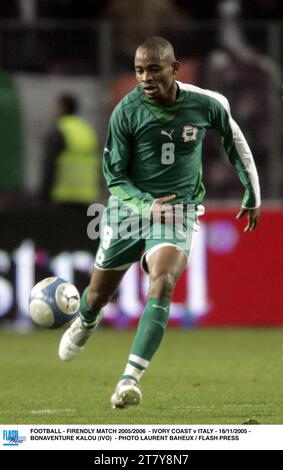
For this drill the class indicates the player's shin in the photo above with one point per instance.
(90, 318)
(148, 337)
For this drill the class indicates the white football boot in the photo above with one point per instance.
(74, 339)
(127, 393)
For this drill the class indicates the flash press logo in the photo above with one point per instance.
(11, 437)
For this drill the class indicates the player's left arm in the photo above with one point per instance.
(241, 158)
(253, 216)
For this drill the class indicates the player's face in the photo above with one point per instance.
(156, 75)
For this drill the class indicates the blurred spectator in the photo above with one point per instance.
(251, 81)
(71, 170)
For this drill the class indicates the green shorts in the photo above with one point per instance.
(126, 238)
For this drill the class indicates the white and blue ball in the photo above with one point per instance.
(53, 302)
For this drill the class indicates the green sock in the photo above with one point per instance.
(90, 318)
(148, 337)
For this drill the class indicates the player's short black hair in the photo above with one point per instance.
(157, 42)
(69, 103)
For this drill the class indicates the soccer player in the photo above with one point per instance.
(152, 165)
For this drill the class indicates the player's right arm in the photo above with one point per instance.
(116, 158)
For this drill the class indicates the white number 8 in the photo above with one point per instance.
(167, 153)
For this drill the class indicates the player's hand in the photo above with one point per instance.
(166, 214)
(253, 216)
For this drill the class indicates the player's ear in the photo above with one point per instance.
(176, 66)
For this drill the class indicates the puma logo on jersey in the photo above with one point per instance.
(168, 134)
(163, 308)
(189, 133)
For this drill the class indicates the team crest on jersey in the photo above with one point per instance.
(189, 133)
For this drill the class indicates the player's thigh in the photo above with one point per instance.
(170, 245)
(105, 282)
(167, 259)
(166, 252)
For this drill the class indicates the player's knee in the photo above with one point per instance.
(96, 299)
(162, 285)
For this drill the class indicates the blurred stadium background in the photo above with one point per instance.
(86, 48)
(49, 47)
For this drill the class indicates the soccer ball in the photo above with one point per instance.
(53, 302)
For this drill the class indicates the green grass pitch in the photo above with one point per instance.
(199, 376)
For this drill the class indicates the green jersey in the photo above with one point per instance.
(155, 151)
